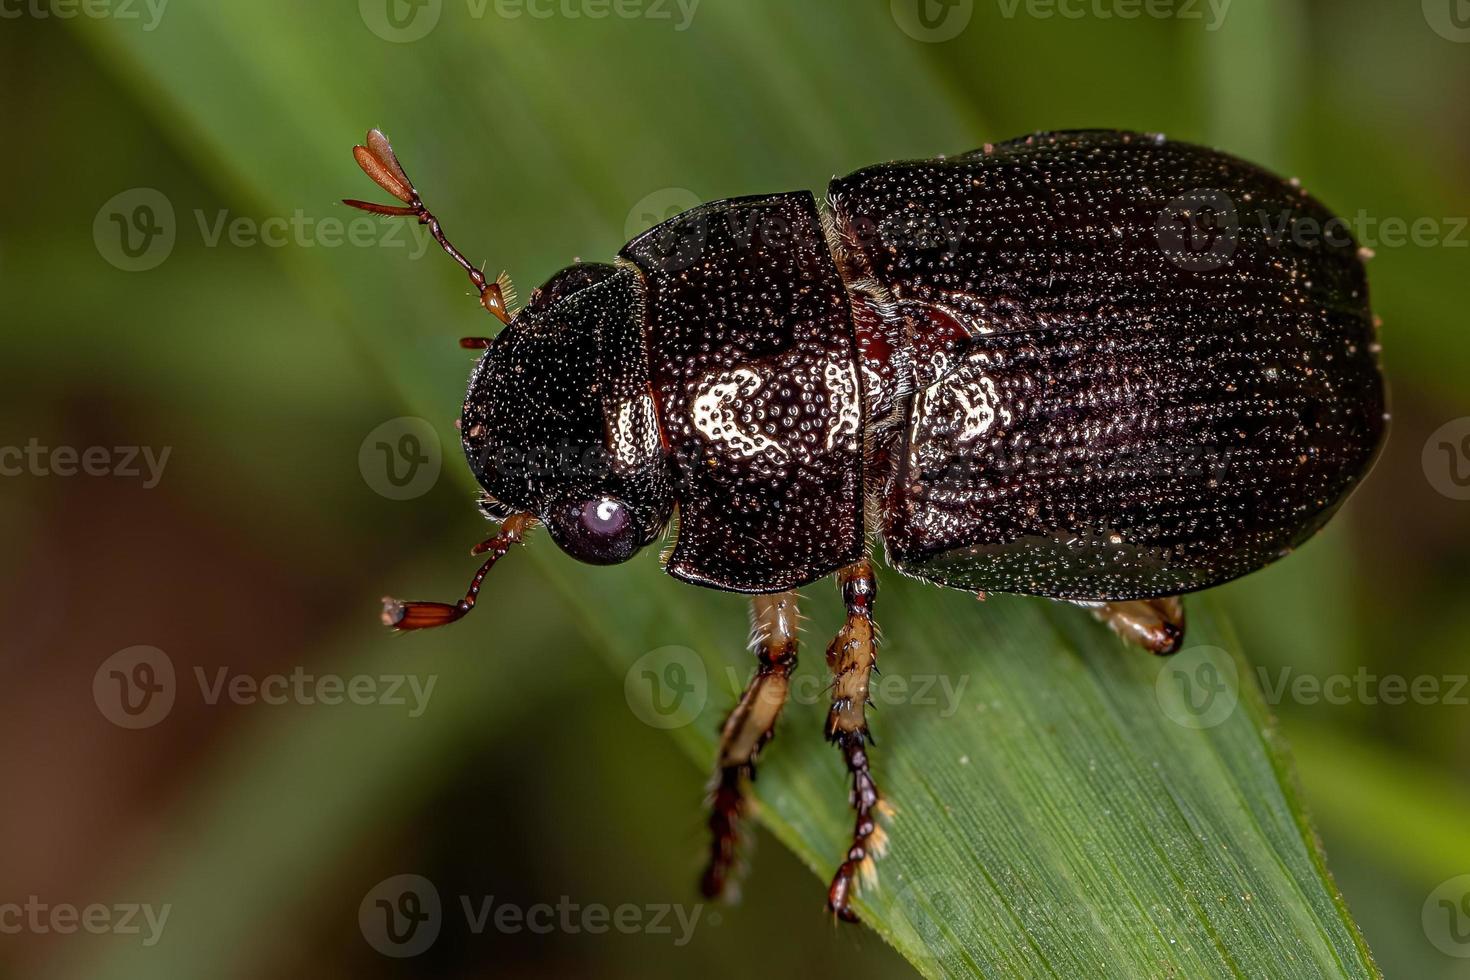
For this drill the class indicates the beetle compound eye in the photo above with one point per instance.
(604, 517)
(598, 530)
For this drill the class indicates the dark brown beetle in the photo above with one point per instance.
(1097, 366)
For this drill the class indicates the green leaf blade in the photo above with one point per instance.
(1059, 811)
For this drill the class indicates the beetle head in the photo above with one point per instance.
(560, 420)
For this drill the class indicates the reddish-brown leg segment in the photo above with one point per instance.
(748, 728)
(415, 615)
(852, 657)
(1157, 625)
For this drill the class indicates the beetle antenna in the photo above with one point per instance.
(378, 161)
(404, 616)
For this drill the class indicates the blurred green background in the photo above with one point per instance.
(259, 344)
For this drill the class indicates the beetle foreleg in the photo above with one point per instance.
(1157, 625)
(748, 727)
(852, 656)
(401, 616)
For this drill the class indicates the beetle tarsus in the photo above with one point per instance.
(404, 616)
(746, 730)
(1156, 625)
(869, 841)
(726, 811)
(852, 656)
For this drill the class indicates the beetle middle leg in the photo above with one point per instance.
(852, 657)
(1156, 625)
(750, 726)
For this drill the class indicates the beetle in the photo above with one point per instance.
(1092, 366)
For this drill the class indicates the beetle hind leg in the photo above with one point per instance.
(852, 656)
(749, 726)
(1157, 625)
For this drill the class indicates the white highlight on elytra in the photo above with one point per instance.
(980, 411)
